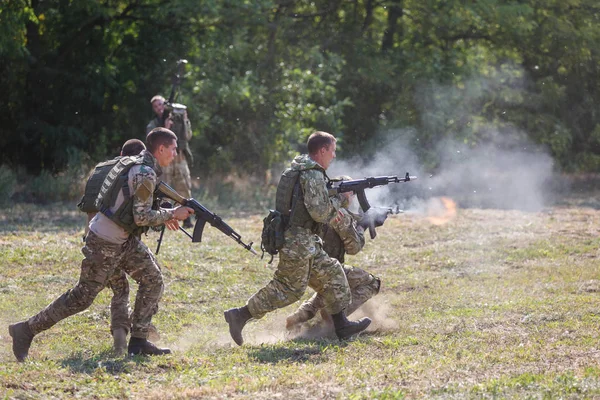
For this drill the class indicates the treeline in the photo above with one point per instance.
(77, 76)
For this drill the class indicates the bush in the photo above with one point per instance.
(8, 184)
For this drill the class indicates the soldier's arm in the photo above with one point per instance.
(188, 128)
(144, 183)
(352, 235)
(320, 206)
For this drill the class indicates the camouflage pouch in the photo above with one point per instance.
(272, 237)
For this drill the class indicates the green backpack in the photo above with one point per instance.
(272, 238)
(93, 185)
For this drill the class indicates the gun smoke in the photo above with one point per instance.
(504, 170)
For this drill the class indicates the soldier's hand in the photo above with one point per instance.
(378, 216)
(172, 224)
(373, 218)
(168, 123)
(182, 213)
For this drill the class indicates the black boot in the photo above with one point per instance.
(22, 337)
(237, 318)
(144, 347)
(344, 329)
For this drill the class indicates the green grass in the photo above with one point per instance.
(495, 303)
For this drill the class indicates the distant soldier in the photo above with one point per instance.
(344, 234)
(302, 260)
(125, 203)
(176, 175)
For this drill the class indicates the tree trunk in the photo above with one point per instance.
(395, 12)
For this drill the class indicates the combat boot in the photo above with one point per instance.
(344, 329)
(237, 318)
(145, 348)
(294, 321)
(22, 337)
(120, 341)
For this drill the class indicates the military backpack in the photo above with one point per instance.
(93, 185)
(289, 211)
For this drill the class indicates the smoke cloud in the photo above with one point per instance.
(504, 169)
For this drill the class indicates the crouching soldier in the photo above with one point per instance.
(343, 234)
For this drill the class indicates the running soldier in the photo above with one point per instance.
(119, 304)
(125, 204)
(302, 260)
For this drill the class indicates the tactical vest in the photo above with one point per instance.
(289, 200)
(117, 180)
(87, 203)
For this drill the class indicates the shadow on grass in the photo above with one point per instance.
(312, 353)
(306, 351)
(106, 360)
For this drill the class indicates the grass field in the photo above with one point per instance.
(493, 303)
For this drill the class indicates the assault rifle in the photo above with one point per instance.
(203, 215)
(358, 186)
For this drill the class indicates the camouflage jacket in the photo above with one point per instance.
(342, 235)
(143, 180)
(302, 242)
(319, 205)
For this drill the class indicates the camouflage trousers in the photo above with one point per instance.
(119, 304)
(177, 175)
(101, 260)
(362, 284)
(302, 263)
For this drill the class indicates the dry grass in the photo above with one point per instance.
(494, 303)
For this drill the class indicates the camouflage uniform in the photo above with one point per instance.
(118, 283)
(104, 255)
(119, 303)
(302, 260)
(342, 236)
(177, 174)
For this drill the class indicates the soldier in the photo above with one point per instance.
(344, 234)
(125, 204)
(176, 175)
(302, 261)
(118, 283)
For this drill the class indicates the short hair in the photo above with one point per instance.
(132, 147)
(159, 136)
(157, 97)
(317, 140)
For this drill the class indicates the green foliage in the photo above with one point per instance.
(262, 75)
(8, 183)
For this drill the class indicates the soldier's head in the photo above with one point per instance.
(132, 147)
(321, 148)
(162, 143)
(158, 105)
